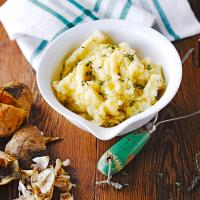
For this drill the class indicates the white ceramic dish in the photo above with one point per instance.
(148, 41)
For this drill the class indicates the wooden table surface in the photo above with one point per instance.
(171, 149)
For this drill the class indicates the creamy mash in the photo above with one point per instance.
(107, 82)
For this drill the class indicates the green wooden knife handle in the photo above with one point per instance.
(123, 151)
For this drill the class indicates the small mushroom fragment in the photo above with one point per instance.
(10, 119)
(39, 183)
(66, 196)
(9, 168)
(20, 93)
(27, 141)
(63, 183)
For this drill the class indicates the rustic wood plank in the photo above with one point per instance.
(170, 150)
(78, 145)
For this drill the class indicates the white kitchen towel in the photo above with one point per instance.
(35, 23)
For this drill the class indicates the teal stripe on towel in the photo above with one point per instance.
(75, 22)
(52, 12)
(44, 43)
(125, 9)
(111, 6)
(85, 11)
(97, 5)
(165, 20)
(40, 47)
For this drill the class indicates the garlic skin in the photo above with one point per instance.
(39, 182)
(46, 180)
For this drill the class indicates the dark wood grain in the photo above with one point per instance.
(79, 146)
(171, 149)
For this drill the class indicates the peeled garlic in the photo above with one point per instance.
(46, 180)
(42, 162)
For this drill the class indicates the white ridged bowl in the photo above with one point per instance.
(148, 41)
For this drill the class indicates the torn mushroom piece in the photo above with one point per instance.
(27, 141)
(66, 196)
(9, 168)
(15, 104)
(62, 181)
(10, 119)
(19, 93)
(39, 182)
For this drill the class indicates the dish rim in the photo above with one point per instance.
(162, 102)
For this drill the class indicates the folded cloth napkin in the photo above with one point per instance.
(35, 23)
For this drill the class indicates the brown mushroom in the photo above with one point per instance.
(10, 119)
(20, 93)
(9, 168)
(6, 98)
(27, 141)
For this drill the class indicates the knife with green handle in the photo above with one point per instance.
(129, 146)
(123, 151)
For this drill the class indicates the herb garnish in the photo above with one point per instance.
(113, 46)
(148, 67)
(161, 174)
(82, 82)
(178, 186)
(89, 63)
(128, 87)
(131, 103)
(101, 83)
(196, 179)
(121, 79)
(102, 94)
(129, 56)
(139, 86)
(90, 74)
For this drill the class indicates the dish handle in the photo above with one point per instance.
(123, 151)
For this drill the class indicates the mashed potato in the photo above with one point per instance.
(107, 82)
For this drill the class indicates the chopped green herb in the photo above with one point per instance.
(129, 56)
(196, 179)
(148, 67)
(82, 47)
(60, 75)
(102, 94)
(131, 103)
(90, 74)
(160, 174)
(121, 79)
(178, 186)
(194, 183)
(99, 67)
(82, 82)
(113, 46)
(101, 83)
(128, 87)
(139, 86)
(89, 63)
